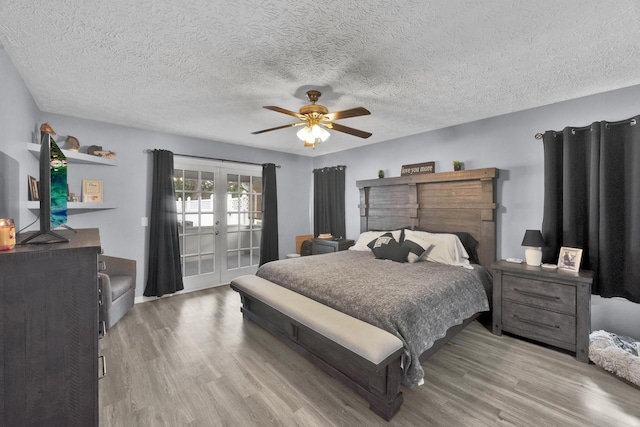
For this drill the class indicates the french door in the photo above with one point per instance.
(220, 220)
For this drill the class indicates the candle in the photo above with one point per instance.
(7, 234)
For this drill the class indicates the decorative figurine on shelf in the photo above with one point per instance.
(71, 143)
(45, 127)
(96, 150)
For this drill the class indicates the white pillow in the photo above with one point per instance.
(447, 248)
(418, 247)
(366, 237)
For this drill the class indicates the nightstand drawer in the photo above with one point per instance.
(550, 296)
(541, 325)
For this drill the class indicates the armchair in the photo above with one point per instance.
(117, 283)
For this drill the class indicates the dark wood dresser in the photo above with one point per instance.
(323, 246)
(49, 332)
(547, 305)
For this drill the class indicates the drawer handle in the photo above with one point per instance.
(536, 295)
(533, 322)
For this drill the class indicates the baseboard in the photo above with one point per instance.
(142, 298)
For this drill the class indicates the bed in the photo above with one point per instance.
(461, 202)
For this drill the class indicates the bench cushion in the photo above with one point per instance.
(364, 339)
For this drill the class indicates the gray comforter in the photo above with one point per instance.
(416, 302)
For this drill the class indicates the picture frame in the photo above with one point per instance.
(92, 191)
(34, 193)
(569, 259)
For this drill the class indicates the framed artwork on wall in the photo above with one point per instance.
(34, 194)
(569, 259)
(92, 191)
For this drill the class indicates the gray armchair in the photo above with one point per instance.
(118, 288)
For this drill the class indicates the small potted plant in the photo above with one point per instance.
(457, 165)
(380, 173)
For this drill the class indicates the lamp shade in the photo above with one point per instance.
(533, 238)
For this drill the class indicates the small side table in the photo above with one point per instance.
(547, 305)
(323, 246)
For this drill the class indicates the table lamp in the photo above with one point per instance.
(534, 240)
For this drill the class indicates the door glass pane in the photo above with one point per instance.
(232, 241)
(190, 266)
(206, 264)
(195, 210)
(206, 243)
(232, 260)
(245, 258)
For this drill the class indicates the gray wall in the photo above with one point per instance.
(506, 142)
(128, 184)
(18, 115)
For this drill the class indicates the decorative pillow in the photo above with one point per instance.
(386, 247)
(367, 236)
(417, 248)
(447, 248)
(470, 244)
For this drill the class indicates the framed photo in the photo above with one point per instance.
(569, 259)
(34, 194)
(92, 191)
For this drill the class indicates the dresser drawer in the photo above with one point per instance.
(550, 296)
(542, 325)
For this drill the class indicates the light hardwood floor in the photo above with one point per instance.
(192, 360)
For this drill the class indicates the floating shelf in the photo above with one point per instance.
(75, 157)
(76, 207)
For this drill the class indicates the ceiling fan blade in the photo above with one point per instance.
(278, 127)
(345, 129)
(283, 111)
(345, 114)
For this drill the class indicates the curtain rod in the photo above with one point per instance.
(631, 122)
(149, 151)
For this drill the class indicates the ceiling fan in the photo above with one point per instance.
(315, 118)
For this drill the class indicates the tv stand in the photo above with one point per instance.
(58, 238)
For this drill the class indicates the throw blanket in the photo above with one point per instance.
(416, 302)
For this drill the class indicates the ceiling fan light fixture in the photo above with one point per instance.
(313, 135)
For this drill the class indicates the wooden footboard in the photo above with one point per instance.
(378, 383)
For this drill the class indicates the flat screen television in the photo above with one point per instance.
(52, 191)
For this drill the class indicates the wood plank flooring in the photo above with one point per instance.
(192, 360)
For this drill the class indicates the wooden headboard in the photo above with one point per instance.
(446, 201)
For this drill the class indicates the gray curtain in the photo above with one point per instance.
(164, 274)
(328, 201)
(592, 201)
(269, 237)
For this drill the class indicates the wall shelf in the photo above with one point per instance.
(75, 157)
(76, 207)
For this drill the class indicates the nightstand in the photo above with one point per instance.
(323, 246)
(552, 306)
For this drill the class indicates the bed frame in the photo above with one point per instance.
(446, 202)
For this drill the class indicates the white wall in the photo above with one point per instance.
(506, 142)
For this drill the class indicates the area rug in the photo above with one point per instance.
(617, 354)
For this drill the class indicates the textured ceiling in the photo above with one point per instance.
(204, 68)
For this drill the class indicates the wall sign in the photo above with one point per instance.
(418, 168)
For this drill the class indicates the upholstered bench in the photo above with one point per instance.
(361, 355)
